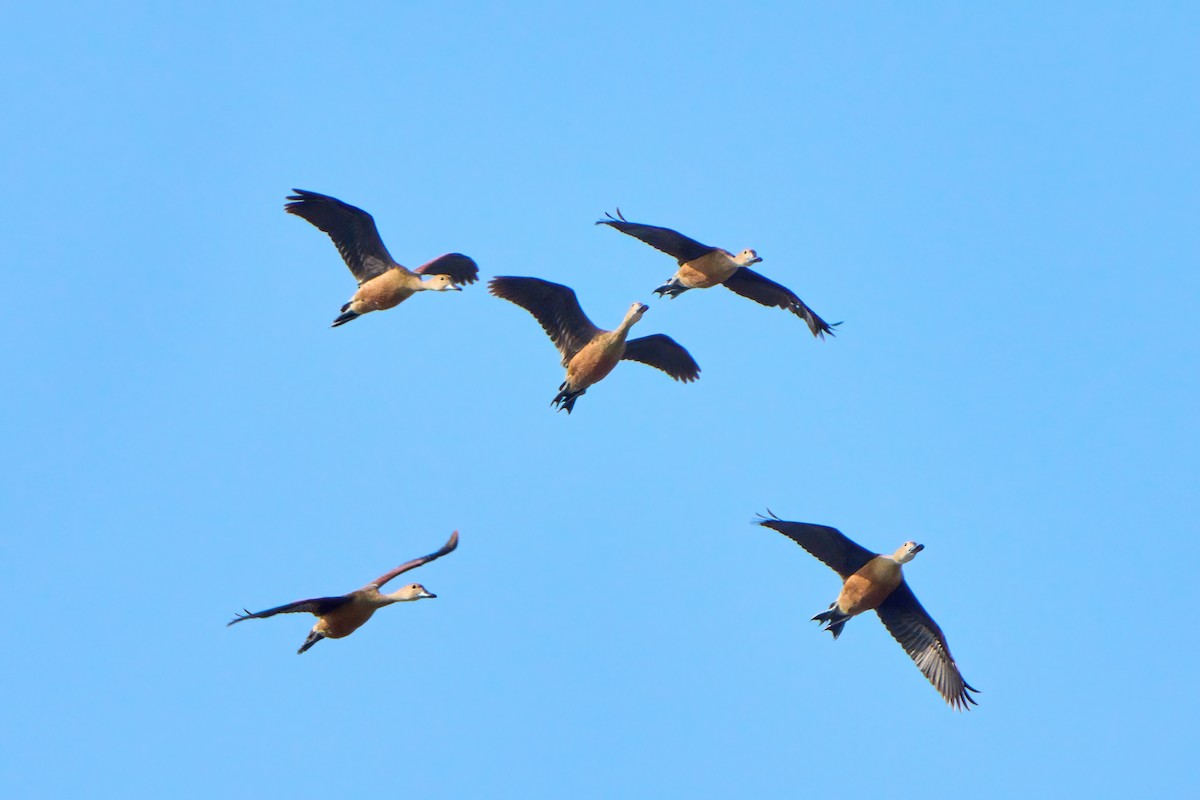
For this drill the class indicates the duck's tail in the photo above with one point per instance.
(832, 620)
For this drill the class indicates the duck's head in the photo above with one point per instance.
(414, 591)
(747, 257)
(907, 552)
(442, 283)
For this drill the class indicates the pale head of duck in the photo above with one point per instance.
(440, 283)
(907, 552)
(746, 258)
(414, 591)
(634, 313)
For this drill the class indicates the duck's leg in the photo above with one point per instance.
(832, 620)
(672, 288)
(346, 315)
(566, 397)
(313, 638)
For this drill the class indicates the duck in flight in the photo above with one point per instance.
(590, 353)
(702, 266)
(873, 581)
(338, 617)
(382, 283)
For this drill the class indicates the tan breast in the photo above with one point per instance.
(597, 358)
(870, 586)
(383, 292)
(707, 270)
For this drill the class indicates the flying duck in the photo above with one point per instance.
(590, 353)
(702, 267)
(876, 582)
(382, 283)
(338, 617)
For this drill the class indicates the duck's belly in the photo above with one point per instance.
(708, 270)
(345, 620)
(381, 293)
(870, 586)
(591, 365)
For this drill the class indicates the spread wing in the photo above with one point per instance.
(553, 305)
(749, 283)
(662, 352)
(449, 546)
(352, 230)
(911, 626)
(460, 268)
(829, 545)
(671, 242)
(314, 605)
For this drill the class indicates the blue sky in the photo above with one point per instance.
(1000, 204)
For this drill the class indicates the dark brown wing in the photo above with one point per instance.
(553, 305)
(449, 546)
(749, 283)
(662, 352)
(671, 242)
(314, 605)
(460, 268)
(911, 626)
(829, 545)
(352, 230)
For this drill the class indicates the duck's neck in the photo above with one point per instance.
(622, 330)
(377, 599)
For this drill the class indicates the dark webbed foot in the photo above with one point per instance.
(670, 289)
(345, 317)
(565, 399)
